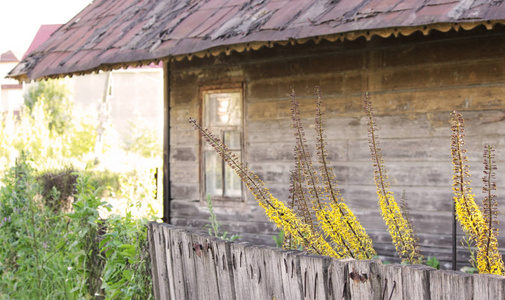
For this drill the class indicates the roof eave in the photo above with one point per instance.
(125, 61)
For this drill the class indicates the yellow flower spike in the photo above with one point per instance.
(301, 233)
(399, 228)
(479, 227)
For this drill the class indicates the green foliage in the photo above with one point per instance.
(144, 139)
(58, 188)
(108, 181)
(56, 240)
(214, 224)
(49, 254)
(31, 130)
(279, 239)
(126, 274)
(433, 262)
(55, 95)
(33, 254)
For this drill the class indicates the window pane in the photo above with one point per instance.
(213, 174)
(232, 139)
(233, 183)
(222, 109)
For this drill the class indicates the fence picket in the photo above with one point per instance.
(242, 279)
(191, 265)
(416, 282)
(447, 284)
(205, 267)
(291, 279)
(314, 271)
(364, 279)
(487, 286)
(273, 258)
(169, 286)
(338, 274)
(392, 281)
(224, 269)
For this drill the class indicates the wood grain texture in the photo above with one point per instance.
(415, 83)
(210, 268)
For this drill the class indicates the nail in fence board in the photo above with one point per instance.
(364, 280)
(392, 281)
(205, 267)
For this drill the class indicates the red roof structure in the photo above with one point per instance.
(110, 34)
(8, 56)
(42, 35)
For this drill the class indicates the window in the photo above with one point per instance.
(222, 114)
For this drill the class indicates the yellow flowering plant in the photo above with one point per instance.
(479, 225)
(316, 218)
(400, 229)
(334, 217)
(283, 216)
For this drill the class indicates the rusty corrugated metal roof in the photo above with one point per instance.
(110, 34)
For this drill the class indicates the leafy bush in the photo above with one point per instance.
(58, 188)
(75, 255)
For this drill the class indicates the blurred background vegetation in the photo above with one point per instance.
(73, 215)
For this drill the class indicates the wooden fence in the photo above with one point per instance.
(192, 265)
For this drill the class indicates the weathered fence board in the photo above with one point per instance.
(169, 264)
(291, 277)
(192, 265)
(205, 267)
(274, 267)
(314, 271)
(241, 279)
(487, 286)
(416, 282)
(451, 285)
(160, 266)
(392, 283)
(364, 279)
(338, 273)
(224, 269)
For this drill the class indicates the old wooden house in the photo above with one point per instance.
(231, 65)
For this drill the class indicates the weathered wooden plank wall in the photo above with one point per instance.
(415, 83)
(191, 265)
